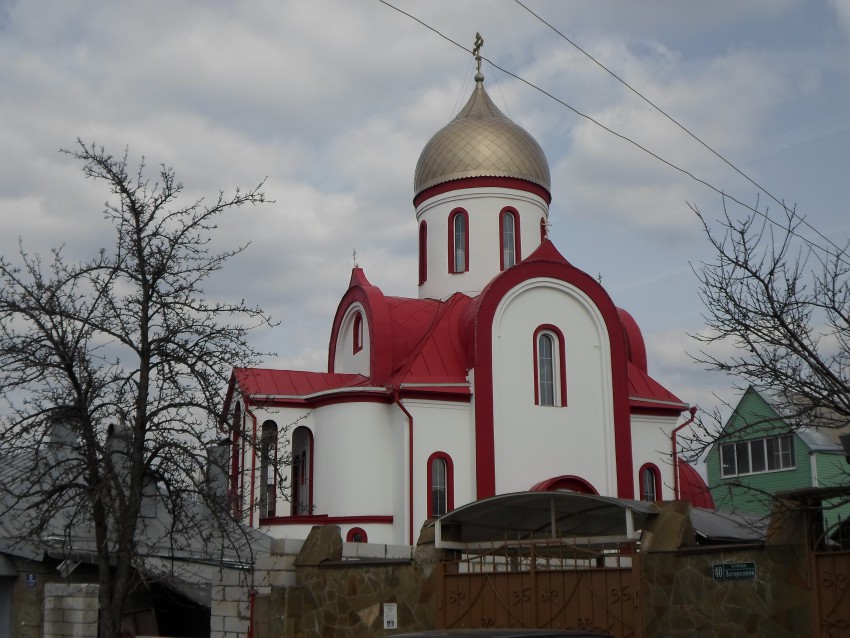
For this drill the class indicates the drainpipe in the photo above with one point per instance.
(397, 399)
(693, 411)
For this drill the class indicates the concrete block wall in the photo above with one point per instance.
(70, 610)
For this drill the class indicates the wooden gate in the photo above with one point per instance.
(831, 604)
(545, 585)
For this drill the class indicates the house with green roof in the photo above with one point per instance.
(759, 453)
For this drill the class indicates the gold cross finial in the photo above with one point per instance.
(354, 257)
(476, 51)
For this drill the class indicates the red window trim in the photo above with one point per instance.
(562, 364)
(349, 537)
(423, 252)
(657, 477)
(450, 482)
(509, 210)
(452, 216)
(357, 333)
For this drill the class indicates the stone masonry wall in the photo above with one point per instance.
(681, 598)
(341, 591)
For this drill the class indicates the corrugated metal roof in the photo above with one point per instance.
(267, 382)
(645, 392)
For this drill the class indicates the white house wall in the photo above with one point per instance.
(483, 206)
(534, 443)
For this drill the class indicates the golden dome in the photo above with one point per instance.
(480, 142)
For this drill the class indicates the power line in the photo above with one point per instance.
(678, 124)
(625, 138)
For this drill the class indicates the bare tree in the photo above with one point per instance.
(782, 302)
(112, 374)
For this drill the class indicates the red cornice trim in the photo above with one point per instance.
(322, 519)
(377, 396)
(483, 182)
(485, 470)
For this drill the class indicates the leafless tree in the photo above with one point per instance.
(781, 300)
(119, 364)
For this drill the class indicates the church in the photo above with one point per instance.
(513, 370)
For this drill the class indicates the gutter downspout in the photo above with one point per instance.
(675, 447)
(397, 399)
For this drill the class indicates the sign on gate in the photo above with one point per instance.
(734, 571)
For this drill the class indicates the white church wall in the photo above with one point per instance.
(347, 358)
(482, 206)
(534, 443)
(441, 427)
(651, 444)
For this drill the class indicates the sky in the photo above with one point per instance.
(332, 101)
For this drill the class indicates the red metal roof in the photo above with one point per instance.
(692, 488)
(265, 382)
(646, 393)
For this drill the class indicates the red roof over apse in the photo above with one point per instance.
(692, 488)
(264, 382)
(440, 355)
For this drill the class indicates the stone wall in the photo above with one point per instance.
(681, 597)
(342, 589)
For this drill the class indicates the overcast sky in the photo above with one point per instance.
(332, 101)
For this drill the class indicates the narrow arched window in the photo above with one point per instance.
(268, 465)
(550, 372)
(544, 229)
(546, 369)
(509, 238)
(650, 483)
(235, 461)
(301, 491)
(357, 333)
(440, 484)
(423, 252)
(356, 535)
(458, 241)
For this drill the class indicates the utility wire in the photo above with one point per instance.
(677, 123)
(710, 186)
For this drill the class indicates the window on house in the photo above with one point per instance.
(769, 454)
(268, 465)
(423, 253)
(357, 330)
(650, 483)
(509, 238)
(458, 241)
(301, 491)
(440, 484)
(550, 377)
(235, 465)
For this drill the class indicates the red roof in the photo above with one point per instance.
(692, 488)
(645, 393)
(265, 382)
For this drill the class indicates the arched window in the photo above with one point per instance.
(236, 437)
(356, 535)
(544, 229)
(550, 372)
(357, 333)
(440, 484)
(423, 252)
(301, 497)
(650, 483)
(268, 469)
(458, 241)
(509, 238)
